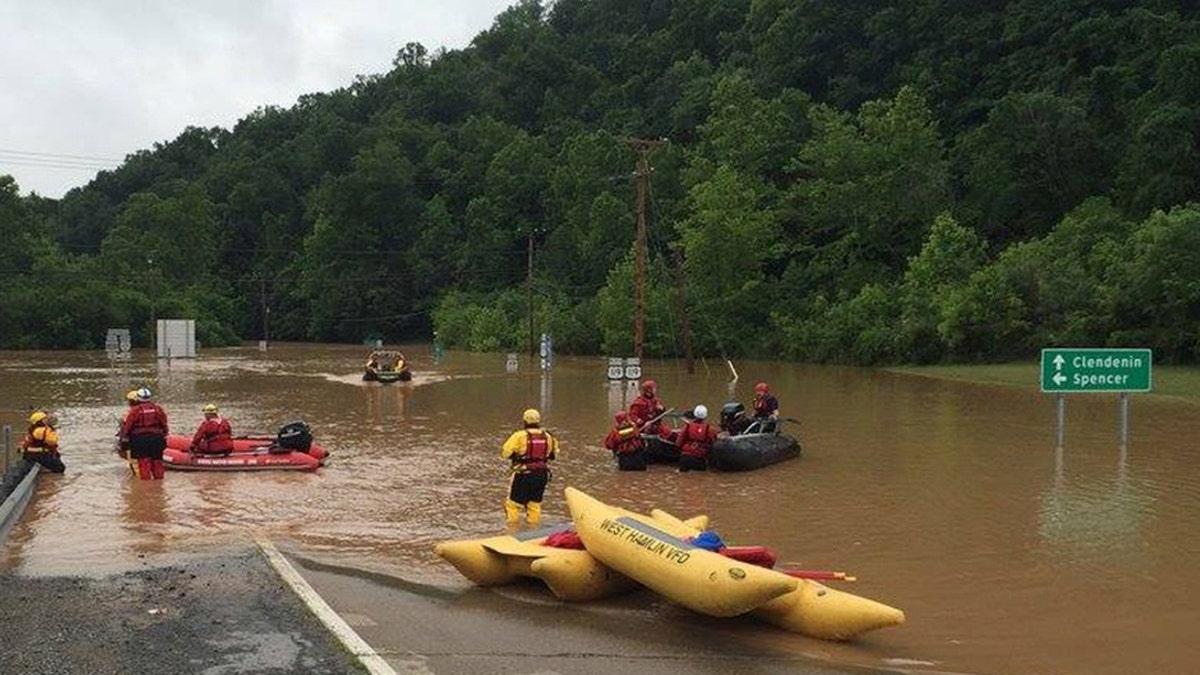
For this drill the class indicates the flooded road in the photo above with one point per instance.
(946, 499)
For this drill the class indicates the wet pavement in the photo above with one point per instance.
(523, 629)
(232, 613)
(217, 615)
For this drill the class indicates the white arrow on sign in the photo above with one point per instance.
(1059, 378)
(1058, 362)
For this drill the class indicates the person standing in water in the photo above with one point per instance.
(40, 444)
(145, 430)
(626, 444)
(530, 451)
(695, 439)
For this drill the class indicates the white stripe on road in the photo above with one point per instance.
(366, 654)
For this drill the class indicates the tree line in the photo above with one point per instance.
(868, 182)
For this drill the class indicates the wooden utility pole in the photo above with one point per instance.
(266, 311)
(529, 294)
(681, 308)
(641, 174)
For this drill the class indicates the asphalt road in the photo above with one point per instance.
(231, 613)
(216, 615)
(523, 629)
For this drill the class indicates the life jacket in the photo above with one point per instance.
(695, 438)
(765, 406)
(627, 440)
(218, 435)
(34, 443)
(147, 419)
(536, 455)
(644, 409)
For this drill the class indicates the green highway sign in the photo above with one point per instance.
(1066, 371)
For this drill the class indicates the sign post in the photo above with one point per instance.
(1090, 370)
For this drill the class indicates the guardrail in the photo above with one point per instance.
(16, 482)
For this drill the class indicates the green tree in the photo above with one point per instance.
(1157, 298)
(950, 254)
(871, 185)
(1035, 159)
(727, 242)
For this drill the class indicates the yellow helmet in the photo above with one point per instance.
(531, 416)
(37, 417)
(210, 409)
(131, 396)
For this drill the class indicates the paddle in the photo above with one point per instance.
(664, 413)
(818, 574)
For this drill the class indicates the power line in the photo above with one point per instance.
(55, 165)
(50, 155)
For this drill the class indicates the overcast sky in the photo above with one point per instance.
(83, 83)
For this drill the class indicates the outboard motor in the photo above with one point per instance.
(295, 436)
(733, 418)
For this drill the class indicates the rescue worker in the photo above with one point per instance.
(145, 430)
(123, 443)
(626, 444)
(647, 410)
(695, 439)
(766, 408)
(530, 450)
(214, 436)
(40, 444)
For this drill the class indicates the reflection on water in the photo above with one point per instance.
(945, 499)
(1095, 522)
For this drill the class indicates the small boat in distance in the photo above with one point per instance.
(386, 366)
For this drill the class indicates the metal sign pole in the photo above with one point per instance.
(1060, 415)
(1124, 416)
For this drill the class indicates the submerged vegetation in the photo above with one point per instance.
(868, 182)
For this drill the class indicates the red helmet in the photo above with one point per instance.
(621, 417)
(650, 385)
(761, 388)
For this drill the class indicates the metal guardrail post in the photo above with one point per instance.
(7, 432)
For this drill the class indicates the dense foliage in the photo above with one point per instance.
(866, 182)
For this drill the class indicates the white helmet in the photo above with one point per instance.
(700, 412)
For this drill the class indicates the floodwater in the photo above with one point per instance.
(946, 499)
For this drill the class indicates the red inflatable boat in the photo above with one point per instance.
(291, 450)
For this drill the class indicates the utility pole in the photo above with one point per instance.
(153, 304)
(266, 311)
(641, 175)
(529, 293)
(681, 308)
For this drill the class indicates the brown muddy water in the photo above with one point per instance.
(946, 499)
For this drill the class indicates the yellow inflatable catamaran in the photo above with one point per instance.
(660, 557)
(571, 574)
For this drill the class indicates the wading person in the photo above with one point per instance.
(695, 439)
(647, 410)
(214, 436)
(40, 444)
(145, 431)
(530, 451)
(626, 444)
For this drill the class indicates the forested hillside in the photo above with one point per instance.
(856, 182)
